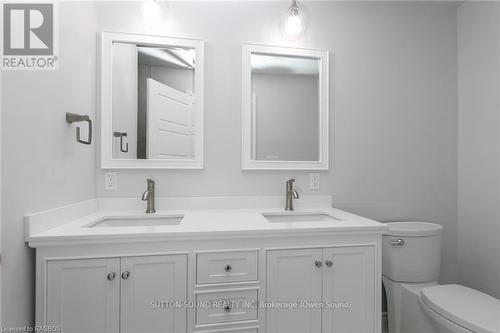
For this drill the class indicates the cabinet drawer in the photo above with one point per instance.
(226, 306)
(223, 267)
(232, 330)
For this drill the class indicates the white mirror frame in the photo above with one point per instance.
(247, 162)
(107, 160)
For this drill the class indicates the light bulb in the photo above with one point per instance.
(294, 22)
(294, 25)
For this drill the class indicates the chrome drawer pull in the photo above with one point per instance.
(318, 263)
(111, 276)
(227, 308)
(329, 263)
(228, 268)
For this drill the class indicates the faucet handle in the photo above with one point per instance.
(291, 180)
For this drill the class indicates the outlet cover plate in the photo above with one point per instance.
(314, 180)
(110, 181)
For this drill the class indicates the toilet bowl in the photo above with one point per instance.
(416, 302)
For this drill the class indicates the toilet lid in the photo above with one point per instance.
(466, 307)
(418, 229)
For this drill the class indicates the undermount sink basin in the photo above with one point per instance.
(299, 217)
(137, 221)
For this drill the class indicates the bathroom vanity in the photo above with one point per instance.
(236, 264)
(212, 265)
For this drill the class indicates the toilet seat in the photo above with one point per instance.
(464, 306)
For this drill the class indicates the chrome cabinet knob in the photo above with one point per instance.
(329, 263)
(227, 308)
(398, 241)
(111, 276)
(318, 263)
(125, 275)
(228, 268)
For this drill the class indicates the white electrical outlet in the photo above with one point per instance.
(314, 181)
(110, 181)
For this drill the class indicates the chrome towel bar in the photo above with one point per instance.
(75, 118)
(121, 135)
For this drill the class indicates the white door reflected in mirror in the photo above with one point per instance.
(285, 108)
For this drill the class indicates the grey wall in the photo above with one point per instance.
(393, 117)
(42, 165)
(479, 146)
(393, 105)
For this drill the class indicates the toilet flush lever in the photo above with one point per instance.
(398, 241)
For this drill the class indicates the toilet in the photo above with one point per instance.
(416, 302)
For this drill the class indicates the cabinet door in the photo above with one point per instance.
(292, 276)
(348, 285)
(81, 297)
(148, 284)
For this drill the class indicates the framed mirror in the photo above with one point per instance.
(151, 102)
(285, 108)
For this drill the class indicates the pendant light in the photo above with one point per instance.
(293, 23)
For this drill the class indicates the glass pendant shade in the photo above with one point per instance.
(293, 23)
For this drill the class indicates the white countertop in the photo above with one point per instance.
(72, 222)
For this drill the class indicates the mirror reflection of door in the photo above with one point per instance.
(153, 94)
(169, 122)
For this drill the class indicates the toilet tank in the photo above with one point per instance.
(411, 251)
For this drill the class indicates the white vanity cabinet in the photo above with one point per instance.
(349, 283)
(157, 279)
(333, 280)
(83, 294)
(334, 289)
(117, 294)
(292, 277)
(217, 271)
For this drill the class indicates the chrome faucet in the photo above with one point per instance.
(290, 194)
(149, 196)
